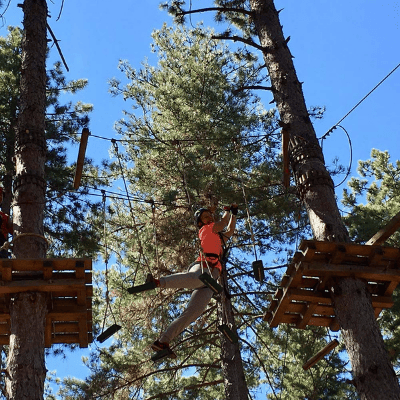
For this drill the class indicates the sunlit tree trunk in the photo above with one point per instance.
(26, 366)
(231, 359)
(373, 374)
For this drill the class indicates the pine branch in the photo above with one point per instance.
(253, 87)
(58, 47)
(240, 39)
(218, 9)
(162, 395)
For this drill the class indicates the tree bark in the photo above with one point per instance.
(26, 365)
(374, 377)
(26, 368)
(373, 373)
(232, 366)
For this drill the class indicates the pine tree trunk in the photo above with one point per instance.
(232, 366)
(373, 375)
(26, 367)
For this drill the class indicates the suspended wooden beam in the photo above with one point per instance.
(81, 157)
(327, 349)
(386, 232)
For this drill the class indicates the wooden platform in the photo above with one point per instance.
(303, 298)
(68, 283)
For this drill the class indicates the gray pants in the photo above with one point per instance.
(198, 301)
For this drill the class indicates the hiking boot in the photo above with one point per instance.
(150, 283)
(158, 346)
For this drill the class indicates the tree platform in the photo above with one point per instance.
(68, 283)
(304, 299)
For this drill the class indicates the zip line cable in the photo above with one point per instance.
(370, 92)
(337, 125)
(176, 141)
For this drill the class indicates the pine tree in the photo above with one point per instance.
(259, 26)
(65, 210)
(373, 199)
(64, 213)
(195, 137)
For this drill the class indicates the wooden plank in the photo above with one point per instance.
(83, 333)
(293, 319)
(376, 256)
(383, 234)
(4, 340)
(359, 271)
(48, 331)
(71, 275)
(72, 293)
(321, 321)
(36, 264)
(322, 353)
(65, 338)
(306, 316)
(81, 157)
(309, 282)
(382, 302)
(4, 329)
(309, 296)
(338, 255)
(47, 269)
(41, 286)
(72, 316)
(6, 270)
(280, 296)
(390, 288)
(279, 312)
(334, 326)
(66, 327)
(68, 302)
(308, 254)
(323, 310)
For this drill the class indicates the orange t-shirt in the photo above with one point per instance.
(210, 243)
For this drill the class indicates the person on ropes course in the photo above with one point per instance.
(213, 238)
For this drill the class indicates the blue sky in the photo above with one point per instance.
(342, 49)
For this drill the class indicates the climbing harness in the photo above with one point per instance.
(114, 327)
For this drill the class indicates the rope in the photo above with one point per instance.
(106, 257)
(153, 210)
(129, 202)
(246, 204)
(29, 234)
(351, 153)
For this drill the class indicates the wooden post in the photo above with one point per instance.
(385, 232)
(81, 158)
(327, 349)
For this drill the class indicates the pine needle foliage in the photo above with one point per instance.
(65, 210)
(372, 201)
